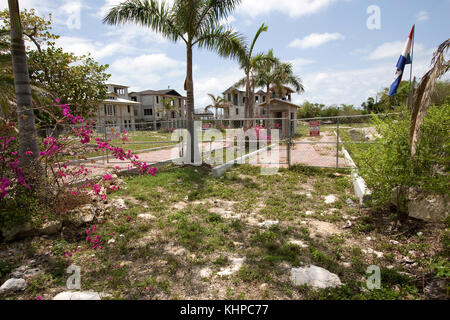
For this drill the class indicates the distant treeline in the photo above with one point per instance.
(381, 103)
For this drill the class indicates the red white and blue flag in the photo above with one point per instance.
(404, 59)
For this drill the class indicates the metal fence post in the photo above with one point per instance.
(106, 140)
(337, 144)
(289, 145)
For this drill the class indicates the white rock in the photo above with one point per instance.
(299, 243)
(394, 242)
(13, 284)
(77, 295)
(348, 224)
(308, 213)
(146, 216)
(205, 272)
(236, 264)
(314, 276)
(420, 233)
(330, 199)
(110, 241)
(268, 223)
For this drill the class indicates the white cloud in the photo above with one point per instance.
(422, 16)
(293, 8)
(352, 86)
(81, 46)
(148, 71)
(393, 50)
(300, 63)
(215, 85)
(315, 40)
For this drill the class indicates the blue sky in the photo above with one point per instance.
(339, 59)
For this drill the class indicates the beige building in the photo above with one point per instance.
(117, 110)
(152, 113)
(281, 108)
(238, 98)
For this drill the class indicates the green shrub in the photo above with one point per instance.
(387, 164)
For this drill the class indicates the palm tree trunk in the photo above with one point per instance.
(247, 100)
(269, 122)
(27, 129)
(192, 148)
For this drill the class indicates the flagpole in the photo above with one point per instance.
(411, 68)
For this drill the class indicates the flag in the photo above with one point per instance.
(404, 59)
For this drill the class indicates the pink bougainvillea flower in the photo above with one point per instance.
(29, 153)
(39, 298)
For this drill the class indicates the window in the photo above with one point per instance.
(243, 99)
(134, 99)
(109, 109)
(119, 90)
(179, 102)
(237, 111)
(229, 97)
(256, 99)
(157, 99)
(148, 112)
(264, 98)
(135, 113)
(129, 110)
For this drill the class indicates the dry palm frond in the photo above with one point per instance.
(422, 97)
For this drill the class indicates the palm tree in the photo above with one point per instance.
(248, 63)
(265, 76)
(194, 22)
(27, 129)
(169, 107)
(218, 103)
(273, 73)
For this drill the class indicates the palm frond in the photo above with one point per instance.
(224, 41)
(424, 91)
(148, 13)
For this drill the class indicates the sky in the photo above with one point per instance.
(343, 50)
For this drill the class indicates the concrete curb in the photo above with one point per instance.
(360, 186)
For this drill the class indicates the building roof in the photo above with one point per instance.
(120, 101)
(282, 101)
(230, 89)
(166, 92)
(116, 85)
(203, 112)
(261, 92)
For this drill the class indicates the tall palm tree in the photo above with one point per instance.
(27, 128)
(218, 103)
(248, 63)
(194, 22)
(271, 72)
(266, 76)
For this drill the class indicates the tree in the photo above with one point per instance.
(194, 22)
(218, 103)
(265, 75)
(249, 63)
(28, 146)
(77, 81)
(424, 91)
(7, 91)
(35, 28)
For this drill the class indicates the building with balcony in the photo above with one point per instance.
(117, 110)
